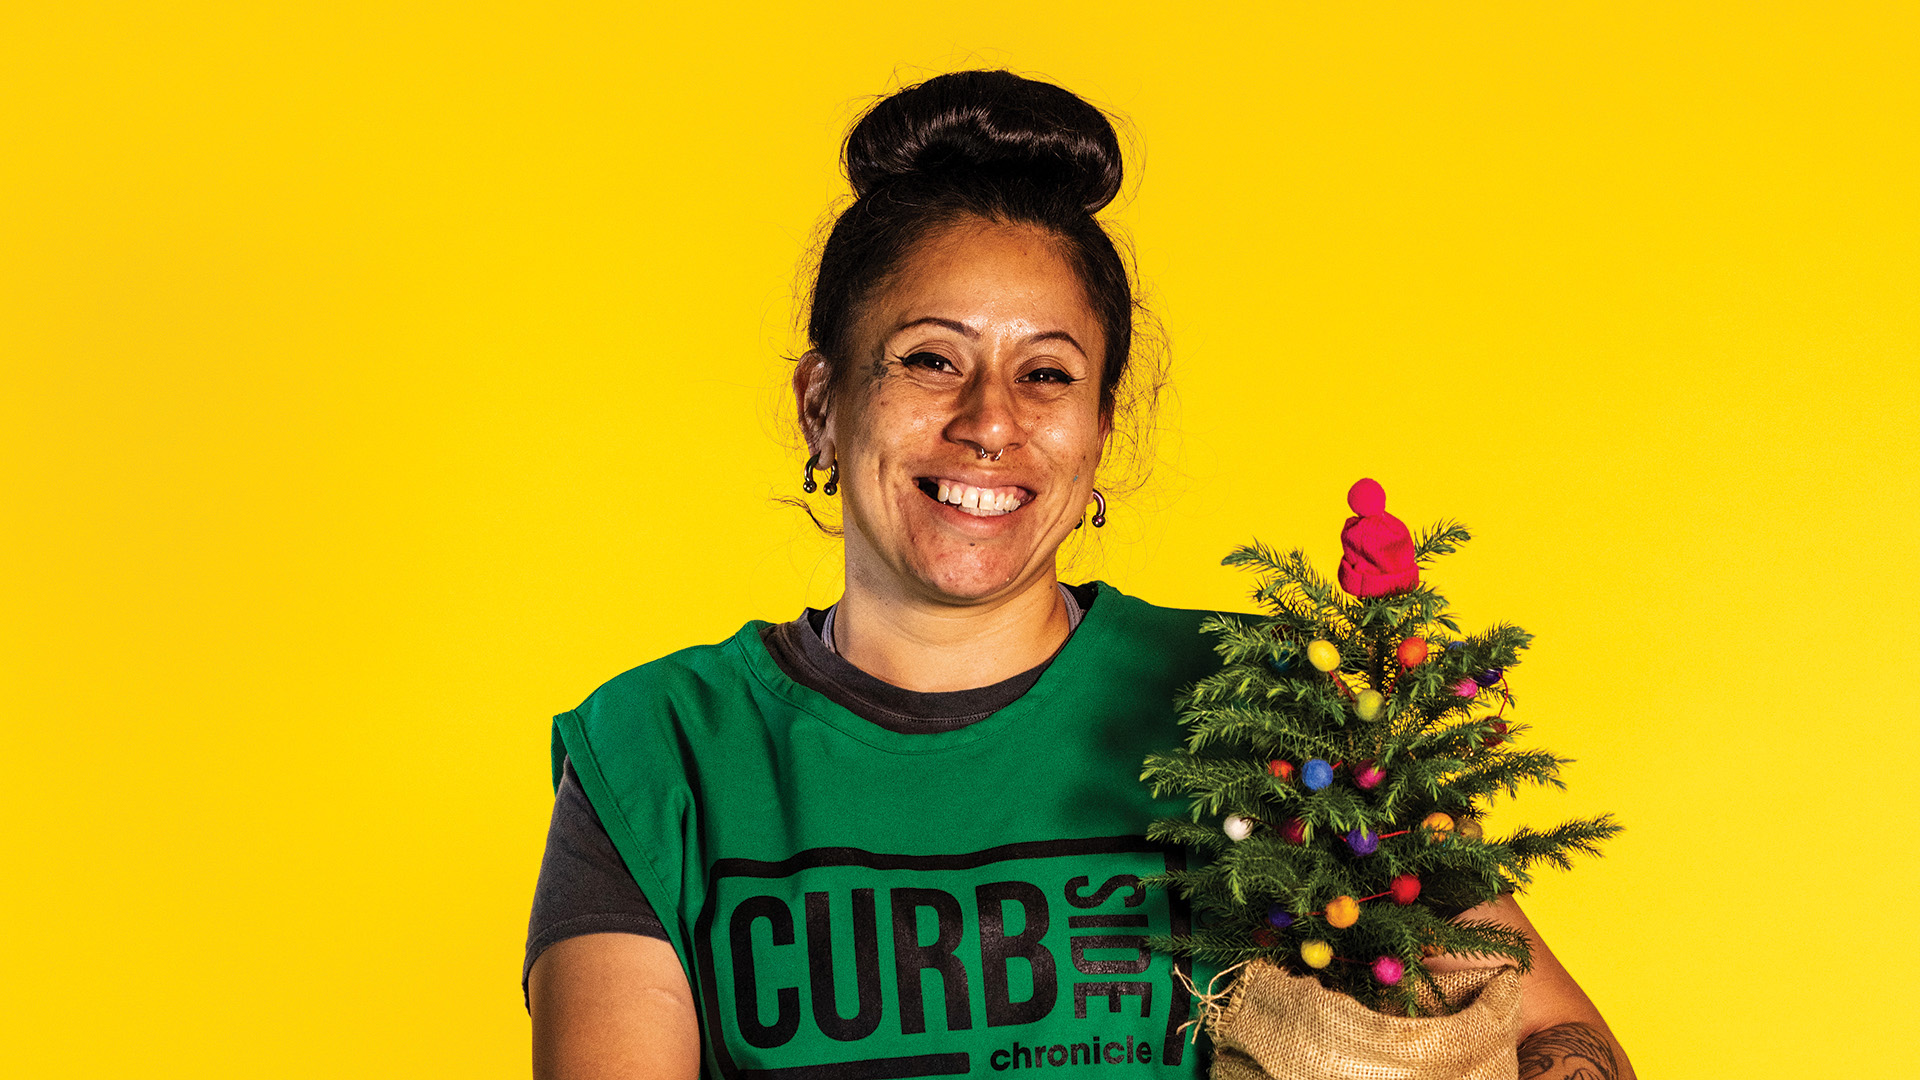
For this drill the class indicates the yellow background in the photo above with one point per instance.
(381, 378)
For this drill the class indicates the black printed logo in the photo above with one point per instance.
(840, 962)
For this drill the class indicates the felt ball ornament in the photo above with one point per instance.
(1236, 827)
(1455, 645)
(1342, 912)
(1322, 655)
(1439, 825)
(1470, 828)
(1280, 769)
(1499, 734)
(1388, 970)
(1294, 831)
(1466, 688)
(1316, 954)
(1368, 703)
(1412, 652)
(1404, 890)
(1490, 676)
(1363, 842)
(1316, 774)
(1279, 918)
(1265, 938)
(1367, 777)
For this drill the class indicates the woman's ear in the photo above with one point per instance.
(812, 386)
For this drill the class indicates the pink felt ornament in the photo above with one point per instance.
(1388, 970)
(1379, 549)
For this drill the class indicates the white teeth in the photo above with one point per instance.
(980, 502)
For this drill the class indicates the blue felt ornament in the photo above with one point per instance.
(1279, 918)
(1316, 774)
(1363, 842)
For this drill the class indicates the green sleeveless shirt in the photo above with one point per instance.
(853, 901)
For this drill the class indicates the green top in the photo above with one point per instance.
(845, 897)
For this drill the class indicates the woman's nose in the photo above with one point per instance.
(985, 418)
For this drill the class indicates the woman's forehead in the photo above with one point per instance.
(986, 278)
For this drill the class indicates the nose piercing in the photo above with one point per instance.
(981, 451)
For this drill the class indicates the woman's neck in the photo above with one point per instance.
(930, 647)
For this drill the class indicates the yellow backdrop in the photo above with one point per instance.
(381, 377)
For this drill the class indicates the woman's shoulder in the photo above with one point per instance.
(1139, 630)
(1143, 618)
(697, 668)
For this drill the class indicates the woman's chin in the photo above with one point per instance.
(972, 572)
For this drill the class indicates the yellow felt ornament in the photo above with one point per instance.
(1322, 655)
(1440, 826)
(1342, 912)
(1316, 954)
(1368, 704)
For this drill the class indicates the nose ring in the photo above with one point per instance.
(981, 451)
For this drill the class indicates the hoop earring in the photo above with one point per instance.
(833, 478)
(806, 484)
(1099, 510)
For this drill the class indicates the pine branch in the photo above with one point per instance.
(1444, 537)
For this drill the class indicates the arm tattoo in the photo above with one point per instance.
(1568, 1052)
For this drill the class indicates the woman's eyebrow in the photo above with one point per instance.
(934, 320)
(972, 334)
(1055, 335)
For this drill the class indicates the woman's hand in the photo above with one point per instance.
(609, 1006)
(1562, 1036)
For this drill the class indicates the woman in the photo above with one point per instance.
(902, 837)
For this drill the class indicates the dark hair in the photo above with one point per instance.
(989, 145)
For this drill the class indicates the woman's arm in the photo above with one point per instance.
(1562, 1035)
(612, 1007)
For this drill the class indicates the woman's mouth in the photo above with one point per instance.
(978, 501)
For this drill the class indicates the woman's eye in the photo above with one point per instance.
(1049, 375)
(930, 361)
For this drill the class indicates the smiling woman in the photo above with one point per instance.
(857, 842)
(967, 451)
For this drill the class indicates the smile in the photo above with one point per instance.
(978, 501)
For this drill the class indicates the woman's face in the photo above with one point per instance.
(968, 433)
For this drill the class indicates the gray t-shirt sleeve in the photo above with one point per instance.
(584, 886)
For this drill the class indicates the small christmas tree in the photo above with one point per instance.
(1339, 764)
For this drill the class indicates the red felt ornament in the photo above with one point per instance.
(1280, 769)
(1265, 938)
(1379, 558)
(1294, 830)
(1412, 652)
(1405, 889)
(1499, 734)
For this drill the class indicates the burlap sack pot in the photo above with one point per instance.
(1274, 1025)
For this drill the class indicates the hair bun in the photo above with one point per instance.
(973, 126)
